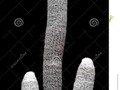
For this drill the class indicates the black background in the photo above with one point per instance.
(82, 40)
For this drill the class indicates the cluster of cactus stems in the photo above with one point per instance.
(53, 53)
(84, 78)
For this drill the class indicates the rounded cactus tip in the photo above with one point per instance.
(30, 76)
(87, 61)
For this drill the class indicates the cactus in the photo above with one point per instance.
(29, 82)
(85, 75)
(54, 44)
(53, 53)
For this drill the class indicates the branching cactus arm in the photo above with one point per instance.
(29, 82)
(54, 44)
(85, 75)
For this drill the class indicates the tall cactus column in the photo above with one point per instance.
(54, 44)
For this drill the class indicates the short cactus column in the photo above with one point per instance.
(29, 82)
(85, 75)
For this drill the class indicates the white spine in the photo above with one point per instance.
(29, 82)
(85, 75)
(54, 44)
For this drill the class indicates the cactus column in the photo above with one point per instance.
(54, 44)
(29, 82)
(85, 75)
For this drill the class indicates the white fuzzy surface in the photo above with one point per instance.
(29, 76)
(87, 62)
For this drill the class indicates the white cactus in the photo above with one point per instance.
(53, 53)
(54, 44)
(85, 75)
(29, 82)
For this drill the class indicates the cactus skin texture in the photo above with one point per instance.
(54, 44)
(85, 75)
(29, 82)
